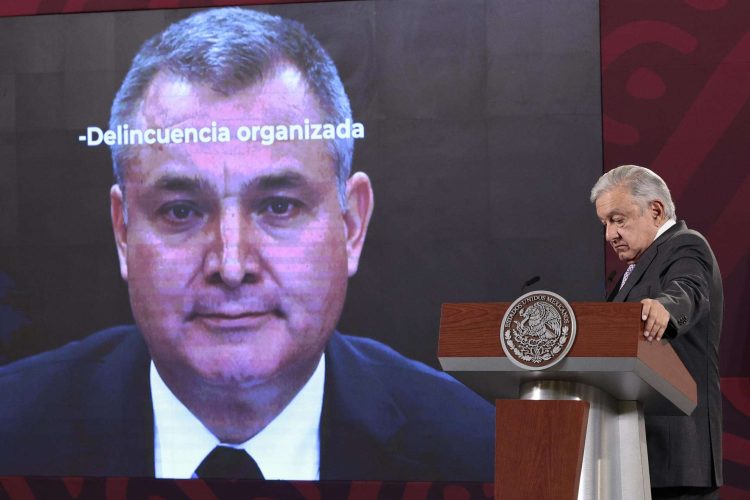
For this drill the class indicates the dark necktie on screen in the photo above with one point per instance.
(228, 463)
(625, 276)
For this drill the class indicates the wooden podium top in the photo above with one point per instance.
(609, 352)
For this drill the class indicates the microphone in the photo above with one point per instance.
(530, 282)
(611, 277)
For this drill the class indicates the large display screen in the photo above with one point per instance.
(392, 157)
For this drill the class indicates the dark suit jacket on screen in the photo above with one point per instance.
(85, 409)
(680, 271)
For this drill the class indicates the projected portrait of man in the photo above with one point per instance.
(236, 255)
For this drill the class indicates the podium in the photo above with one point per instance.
(576, 429)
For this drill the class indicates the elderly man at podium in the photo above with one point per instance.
(673, 273)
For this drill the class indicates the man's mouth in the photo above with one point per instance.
(231, 318)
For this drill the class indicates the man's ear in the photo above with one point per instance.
(359, 203)
(117, 210)
(656, 211)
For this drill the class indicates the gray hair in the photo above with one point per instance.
(231, 49)
(643, 184)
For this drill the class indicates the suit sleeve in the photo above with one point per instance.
(685, 284)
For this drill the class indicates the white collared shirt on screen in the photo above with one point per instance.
(287, 448)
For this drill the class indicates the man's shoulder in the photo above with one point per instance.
(67, 408)
(680, 243)
(418, 391)
(682, 236)
(397, 371)
(71, 369)
(429, 425)
(97, 347)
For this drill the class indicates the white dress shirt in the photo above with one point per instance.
(287, 448)
(664, 227)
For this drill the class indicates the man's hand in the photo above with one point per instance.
(656, 317)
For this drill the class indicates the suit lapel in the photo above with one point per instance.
(644, 262)
(635, 276)
(360, 422)
(138, 445)
(614, 290)
(120, 426)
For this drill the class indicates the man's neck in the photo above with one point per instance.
(235, 413)
(661, 230)
(182, 441)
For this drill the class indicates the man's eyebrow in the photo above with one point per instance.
(183, 184)
(270, 182)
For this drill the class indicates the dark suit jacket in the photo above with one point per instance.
(680, 271)
(85, 409)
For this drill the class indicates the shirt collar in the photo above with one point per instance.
(287, 448)
(664, 227)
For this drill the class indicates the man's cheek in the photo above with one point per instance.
(290, 258)
(157, 258)
(311, 296)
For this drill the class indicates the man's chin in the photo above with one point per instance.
(624, 256)
(237, 375)
(235, 365)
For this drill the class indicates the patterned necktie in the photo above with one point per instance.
(228, 463)
(625, 276)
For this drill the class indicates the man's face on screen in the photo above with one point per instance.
(236, 254)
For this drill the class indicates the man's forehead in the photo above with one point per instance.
(282, 97)
(615, 200)
(171, 181)
(171, 101)
(230, 169)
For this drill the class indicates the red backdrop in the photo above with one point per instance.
(675, 89)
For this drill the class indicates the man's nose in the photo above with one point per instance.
(610, 232)
(234, 260)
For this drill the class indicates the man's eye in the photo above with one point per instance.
(180, 212)
(280, 207)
